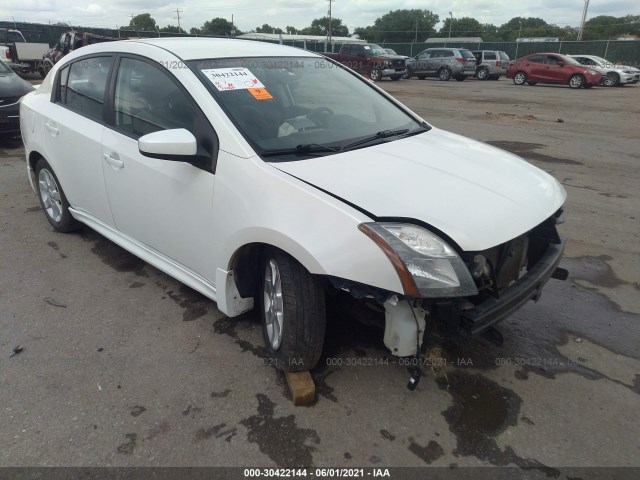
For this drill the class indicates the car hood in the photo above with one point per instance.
(478, 195)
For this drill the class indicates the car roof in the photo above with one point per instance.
(201, 48)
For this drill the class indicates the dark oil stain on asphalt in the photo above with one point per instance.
(528, 151)
(128, 447)
(138, 410)
(195, 305)
(279, 437)
(113, 255)
(55, 246)
(600, 273)
(34, 209)
(136, 285)
(386, 435)
(428, 454)
(205, 434)
(221, 394)
(191, 411)
(228, 326)
(482, 410)
(322, 388)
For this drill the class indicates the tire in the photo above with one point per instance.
(293, 312)
(483, 73)
(520, 78)
(531, 83)
(444, 74)
(576, 81)
(53, 200)
(461, 78)
(375, 74)
(421, 77)
(395, 78)
(611, 79)
(407, 74)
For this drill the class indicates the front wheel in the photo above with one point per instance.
(293, 312)
(611, 79)
(375, 74)
(53, 200)
(407, 74)
(520, 78)
(576, 81)
(444, 74)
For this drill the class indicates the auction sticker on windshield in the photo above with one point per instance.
(232, 78)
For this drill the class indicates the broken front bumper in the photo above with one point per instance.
(528, 287)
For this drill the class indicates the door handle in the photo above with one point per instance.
(114, 161)
(52, 128)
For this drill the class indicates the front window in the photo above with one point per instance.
(286, 103)
(567, 59)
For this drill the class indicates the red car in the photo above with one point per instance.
(552, 68)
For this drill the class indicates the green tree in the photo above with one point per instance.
(291, 30)
(142, 23)
(603, 27)
(400, 26)
(531, 27)
(319, 27)
(461, 27)
(218, 26)
(171, 29)
(266, 28)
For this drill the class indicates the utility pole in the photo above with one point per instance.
(416, 39)
(584, 17)
(329, 33)
(450, 24)
(178, 12)
(519, 36)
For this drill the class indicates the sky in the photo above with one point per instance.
(248, 15)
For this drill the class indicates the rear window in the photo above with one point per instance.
(466, 54)
(504, 57)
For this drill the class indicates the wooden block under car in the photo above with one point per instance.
(302, 387)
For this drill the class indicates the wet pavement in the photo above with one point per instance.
(124, 366)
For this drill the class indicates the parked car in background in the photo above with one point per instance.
(69, 41)
(490, 64)
(22, 56)
(614, 74)
(552, 68)
(12, 89)
(444, 63)
(300, 150)
(370, 60)
(392, 52)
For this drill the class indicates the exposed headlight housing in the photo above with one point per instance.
(427, 266)
(593, 72)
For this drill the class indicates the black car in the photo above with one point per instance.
(12, 89)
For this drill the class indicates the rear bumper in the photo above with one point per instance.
(529, 287)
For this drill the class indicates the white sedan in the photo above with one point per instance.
(255, 171)
(614, 74)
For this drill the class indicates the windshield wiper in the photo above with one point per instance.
(380, 135)
(305, 149)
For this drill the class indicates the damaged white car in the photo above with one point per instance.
(263, 175)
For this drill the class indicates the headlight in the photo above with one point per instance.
(427, 266)
(386, 63)
(593, 72)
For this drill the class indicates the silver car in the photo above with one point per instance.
(443, 63)
(490, 64)
(614, 75)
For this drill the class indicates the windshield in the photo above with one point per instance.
(281, 104)
(570, 60)
(374, 49)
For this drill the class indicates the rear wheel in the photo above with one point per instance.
(293, 312)
(576, 81)
(444, 74)
(520, 78)
(53, 200)
(482, 73)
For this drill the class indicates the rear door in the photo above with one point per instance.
(535, 68)
(554, 72)
(74, 123)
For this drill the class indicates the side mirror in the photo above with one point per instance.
(560, 63)
(177, 144)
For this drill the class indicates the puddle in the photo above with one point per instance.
(113, 255)
(528, 151)
(428, 454)
(481, 411)
(280, 438)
